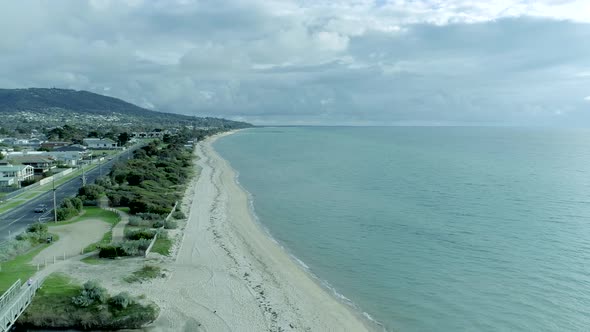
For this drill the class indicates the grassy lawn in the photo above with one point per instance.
(58, 284)
(123, 209)
(162, 246)
(91, 212)
(18, 268)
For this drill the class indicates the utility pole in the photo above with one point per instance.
(83, 176)
(54, 201)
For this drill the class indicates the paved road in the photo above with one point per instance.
(18, 219)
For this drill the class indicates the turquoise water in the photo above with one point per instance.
(432, 228)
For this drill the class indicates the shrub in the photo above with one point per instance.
(138, 206)
(134, 221)
(14, 247)
(110, 251)
(121, 300)
(178, 215)
(65, 213)
(140, 234)
(92, 192)
(95, 291)
(149, 216)
(37, 228)
(92, 292)
(170, 224)
(158, 224)
(145, 273)
(143, 244)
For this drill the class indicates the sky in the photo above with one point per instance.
(313, 62)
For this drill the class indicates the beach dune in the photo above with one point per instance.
(229, 275)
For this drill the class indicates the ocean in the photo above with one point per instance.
(431, 228)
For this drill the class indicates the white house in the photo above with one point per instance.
(100, 143)
(70, 158)
(15, 174)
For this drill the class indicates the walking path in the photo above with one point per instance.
(119, 229)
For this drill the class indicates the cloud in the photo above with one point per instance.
(317, 62)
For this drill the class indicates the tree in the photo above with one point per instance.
(123, 138)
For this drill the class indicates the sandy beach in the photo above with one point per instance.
(230, 276)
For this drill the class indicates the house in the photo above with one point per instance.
(100, 143)
(53, 145)
(40, 164)
(14, 175)
(70, 148)
(69, 156)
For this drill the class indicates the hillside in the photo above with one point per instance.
(46, 107)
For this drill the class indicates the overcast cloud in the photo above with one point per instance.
(313, 61)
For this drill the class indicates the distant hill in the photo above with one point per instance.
(60, 106)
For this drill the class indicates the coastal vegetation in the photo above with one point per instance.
(35, 235)
(147, 272)
(63, 304)
(69, 208)
(153, 180)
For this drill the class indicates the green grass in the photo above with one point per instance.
(18, 268)
(123, 209)
(145, 273)
(108, 236)
(59, 284)
(162, 246)
(11, 205)
(91, 212)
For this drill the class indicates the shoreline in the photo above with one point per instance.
(370, 323)
(365, 319)
(288, 296)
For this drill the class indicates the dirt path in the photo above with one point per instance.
(119, 229)
(73, 238)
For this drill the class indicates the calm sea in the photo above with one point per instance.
(432, 228)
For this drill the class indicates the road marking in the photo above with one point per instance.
(44, 215)
(16, 220)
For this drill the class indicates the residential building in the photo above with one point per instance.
(100, 143)
(40, 164)
(14, 175)
(53, 145)
(69, 158)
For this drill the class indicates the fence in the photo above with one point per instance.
(149, 248)
(18, 303)
(9, 294)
